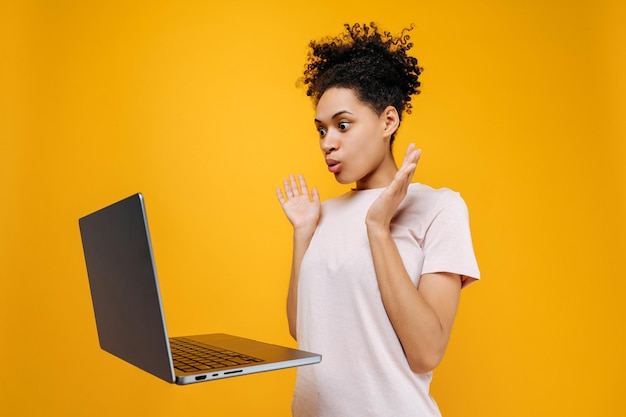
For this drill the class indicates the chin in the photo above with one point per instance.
(343, 179)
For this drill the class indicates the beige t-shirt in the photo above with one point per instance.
(364, 371)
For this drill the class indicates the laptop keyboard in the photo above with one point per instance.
(191, 356)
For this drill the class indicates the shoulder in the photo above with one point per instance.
(335, 201)
(435, 199)
(427, 191)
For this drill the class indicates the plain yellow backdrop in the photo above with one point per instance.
(195, 104)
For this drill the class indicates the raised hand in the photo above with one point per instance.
(384, 207)
(302, 210)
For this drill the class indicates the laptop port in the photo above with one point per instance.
(200, 377)
(233, 372)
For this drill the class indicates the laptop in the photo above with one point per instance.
(129, 314)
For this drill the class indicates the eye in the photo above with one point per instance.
(343, 125)
(321, 131)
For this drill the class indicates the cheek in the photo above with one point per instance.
(361, 165)
(373, 152)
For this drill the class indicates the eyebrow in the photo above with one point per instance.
(339, 113)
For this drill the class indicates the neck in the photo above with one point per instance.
(379, 178)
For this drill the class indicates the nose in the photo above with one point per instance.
(329, 144)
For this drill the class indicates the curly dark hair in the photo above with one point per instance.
(374, 64)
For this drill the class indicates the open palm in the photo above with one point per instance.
(384, 207)
(302, 210)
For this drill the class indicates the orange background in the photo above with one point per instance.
(194, 104)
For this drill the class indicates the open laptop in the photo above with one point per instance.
(129, 314)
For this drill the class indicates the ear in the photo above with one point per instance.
(391, 120)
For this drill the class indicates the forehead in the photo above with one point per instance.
(336, 100)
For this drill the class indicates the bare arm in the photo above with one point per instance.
(422, 317)
(303, 211)
(301, 240)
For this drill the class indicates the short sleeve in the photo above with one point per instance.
(448, 242)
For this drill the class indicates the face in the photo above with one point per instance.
(355, 140)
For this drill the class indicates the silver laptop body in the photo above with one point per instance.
(129, 313)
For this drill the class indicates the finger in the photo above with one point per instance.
(417, 153)
(410, 148)
(294, 185)
(288, 191)
(412, 154)
(414, 160)
(303, 186)
(407, 168)
(403, 176)
(315, 195)
(279, 194)
(411, 171)
(408, 152)
(410, 163)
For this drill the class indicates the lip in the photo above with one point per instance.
(333, 165)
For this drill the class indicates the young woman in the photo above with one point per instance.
(376, 272)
